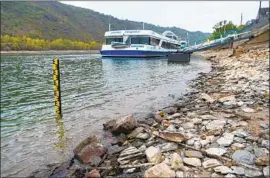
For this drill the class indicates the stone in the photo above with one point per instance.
(266, 171)
(169, 146)
(243, 156)
(211, 163)
(177, 162)
(238, 170)
(222, 169)
(215, 124)
(196, 121)
(207, 117)
(109, 125)
(207, 98)
(91, 151)
(252, 173)
(214, 175)
(237, 146)
(229, 175)
(89, 140)
(170, 110)
(153, 155)
(261, 152)
(129, 154)
(240, 133)
(188, 125)
(193, 154)
(158, 118)
(226, 140)
(142, 148)
(115, 149)
(207, 140)
(263, 161)
(216, 151)
(128, 171)
(174, 116)
(179, 174)
(93, 174)
(192, 162)
(240, 103)
(159, 170)
(124, 125)
(171, 128)
(266, 144)
(264, 125)
(248, 110)
(135, 132)
(143, 136)
(165, 123)
(197, 145)
(173, 136)
(190, 142)
(226, 98)
(239, 140)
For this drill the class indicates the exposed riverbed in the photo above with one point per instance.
(94, 90)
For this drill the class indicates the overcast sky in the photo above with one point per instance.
(192, 15)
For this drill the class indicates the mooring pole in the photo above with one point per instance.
(56, 87)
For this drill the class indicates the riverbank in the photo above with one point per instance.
(53, 52)
(221, 129)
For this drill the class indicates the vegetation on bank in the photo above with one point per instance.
(223, 28)
(26, 43)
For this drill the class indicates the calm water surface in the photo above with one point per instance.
(93, 90)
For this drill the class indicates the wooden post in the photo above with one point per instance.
(57, 89)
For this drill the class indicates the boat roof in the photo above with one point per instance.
(140, 33)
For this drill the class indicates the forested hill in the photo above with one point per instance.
(52, 20)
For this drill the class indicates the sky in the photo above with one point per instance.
(192, 15)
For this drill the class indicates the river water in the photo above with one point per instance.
(93, 91)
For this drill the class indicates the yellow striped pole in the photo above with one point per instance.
(56, 88)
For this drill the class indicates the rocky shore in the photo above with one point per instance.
(221, 129)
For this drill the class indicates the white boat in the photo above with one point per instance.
(139, 43)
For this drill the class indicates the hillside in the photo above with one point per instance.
(52, 20)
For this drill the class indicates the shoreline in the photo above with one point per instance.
(226, 114)
(53, 52)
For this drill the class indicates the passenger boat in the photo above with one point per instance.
(139, 43)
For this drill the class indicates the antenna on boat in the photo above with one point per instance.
(143, 25)
(110, 24)
(187, 37)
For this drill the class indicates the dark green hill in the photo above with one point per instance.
(52, 20)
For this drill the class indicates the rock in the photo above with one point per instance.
(252, 173)
(142, 148)
(196, 121)
(165, 123)
(229, 175)
(170, 110)
(179, 174)
(135, 132)
(226, 98)
(248, 110)
(237, 146)
(109, 125)
(215, 124)
(138, 142)
(143, 136)
(266, 144)
(93, 174)
(173, 136)
(216, 151)
(238, 170)
(158, 118)
(207, 117)
(243, 156)
(129, 155)
(128, 171)
(160, 170)
(214, 175)
(263, 161)
(207, 98)
(264, 125)
(266, 171)
(177, 162)
(153, 155)
(226, 140)
(240, 133)
(223, 169)
(194, 154)
(174, 116)
(192, 162)
(261, 152)
(240, 103)
(188, 125)
(89, 140)
(211, 163)
(197, 145)
(169, 146)
(124, 125)
(190, 142)
(115, 149)
(91, 151)
(240, 140)
(171, 128)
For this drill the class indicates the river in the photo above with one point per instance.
(93, 91)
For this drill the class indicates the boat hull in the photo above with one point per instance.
(133, 53)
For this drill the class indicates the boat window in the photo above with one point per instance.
(140, 40)
(110, 40)
(154, 42)
(167, 45)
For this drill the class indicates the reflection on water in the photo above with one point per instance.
(93, 90)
